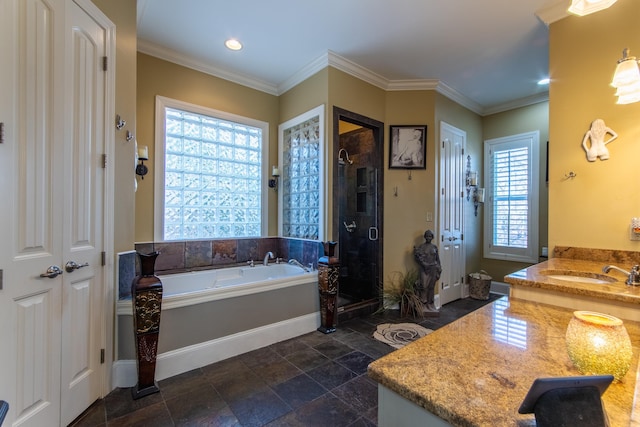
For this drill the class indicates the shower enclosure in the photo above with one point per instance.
(357, 209)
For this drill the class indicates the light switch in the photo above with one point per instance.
(429, 216)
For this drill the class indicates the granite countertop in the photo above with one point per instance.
(476, 370)
(537, 276)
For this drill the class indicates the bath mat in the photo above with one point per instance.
(398, 335)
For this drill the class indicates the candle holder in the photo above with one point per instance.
(598, 344)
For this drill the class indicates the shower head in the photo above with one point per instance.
(346, 154)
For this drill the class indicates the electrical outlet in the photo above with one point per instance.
(429, 216)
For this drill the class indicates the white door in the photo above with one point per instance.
(52, 189)
(451, 221)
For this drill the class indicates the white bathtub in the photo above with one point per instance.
(196, 287)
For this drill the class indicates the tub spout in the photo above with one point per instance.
(267, 257)
(297, 263)
(633, 276)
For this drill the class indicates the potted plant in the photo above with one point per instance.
(402, 290)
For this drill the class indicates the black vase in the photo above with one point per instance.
(146, 291)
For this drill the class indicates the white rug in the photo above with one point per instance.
(398, 335)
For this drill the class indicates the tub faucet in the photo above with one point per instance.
(267, 257)
(296, 263)
(633, 276)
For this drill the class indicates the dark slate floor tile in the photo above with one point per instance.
(307, 359)
(276, 372)
(179, 384)
(201, 404)
(355, 361)
(314, 338)
(299, 390)
(94, 416)
(333, 349)
(120, 402)
(156, 415)
(260, 357)
(359, 393)
(331, 375)
(322, 412)
(259, 409)
(285, 348)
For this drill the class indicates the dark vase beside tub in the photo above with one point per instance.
(146, 292)
(328, 274)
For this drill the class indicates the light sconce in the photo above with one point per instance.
(473, 192)
(273, 182)
(585, 7)
(141, 168)
(626, 79)
(598, 344)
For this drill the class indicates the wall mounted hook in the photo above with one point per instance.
(120, 122)
(129, 136)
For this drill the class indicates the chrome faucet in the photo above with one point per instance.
(267, 257)
(296, 263)
(633, 276)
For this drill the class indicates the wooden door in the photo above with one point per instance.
(451, 221)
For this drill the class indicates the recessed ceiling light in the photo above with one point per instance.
(233, 44)
(544, 81)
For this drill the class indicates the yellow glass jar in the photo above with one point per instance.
(598, 344)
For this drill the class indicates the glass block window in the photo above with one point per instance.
(301, 154)
(211, 185)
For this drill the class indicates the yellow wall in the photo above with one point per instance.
(123, 14)
(158, 77)
(525, 119)
(593, 209)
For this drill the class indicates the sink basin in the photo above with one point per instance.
(578, 276)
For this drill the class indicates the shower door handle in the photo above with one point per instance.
(373, 233)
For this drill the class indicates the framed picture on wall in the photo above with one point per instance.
(408, 147)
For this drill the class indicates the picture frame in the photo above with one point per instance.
(408, 147)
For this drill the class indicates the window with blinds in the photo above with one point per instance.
(211, 170)
(511, 215)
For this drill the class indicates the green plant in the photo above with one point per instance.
(403, 289)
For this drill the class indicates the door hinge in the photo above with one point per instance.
(103, 258)
(442, 238)
(104, 63)
(104, 161)
(463, 151)
(1, 132)
(461, 236)
(443, 191)
(102, 356)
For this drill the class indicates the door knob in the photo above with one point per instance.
(72, 266)
(52, 272)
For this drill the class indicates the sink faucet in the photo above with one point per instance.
(297, 263)
(267, 257)
(633, 276)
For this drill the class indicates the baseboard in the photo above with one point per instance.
(170, 363)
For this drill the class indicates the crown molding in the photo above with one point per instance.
(334, 60)
(187, 61)
(553, 11)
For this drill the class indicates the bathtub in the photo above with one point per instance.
(211, 315)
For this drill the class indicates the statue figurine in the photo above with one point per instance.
(427, 256)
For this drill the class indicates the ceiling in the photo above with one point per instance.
(487, 55)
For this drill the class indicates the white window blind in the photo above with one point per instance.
(511, 210)
(211, 171)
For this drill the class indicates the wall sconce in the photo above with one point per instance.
(143, 154)
(473, 192)
(626, 79)
(585, 7)
(273, 182)
(598, 344)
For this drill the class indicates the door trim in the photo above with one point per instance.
(108, 271)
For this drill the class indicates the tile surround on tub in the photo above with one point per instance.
(202, 254)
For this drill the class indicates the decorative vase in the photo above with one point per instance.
(328, 274)
(598, 344)
(146, 292)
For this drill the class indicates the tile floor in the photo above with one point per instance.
(311, 380)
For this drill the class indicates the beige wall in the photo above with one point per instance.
(526, 119)
(594, 208)
(455, 115)
(123, 14)
(158, 77)
(406, 215)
